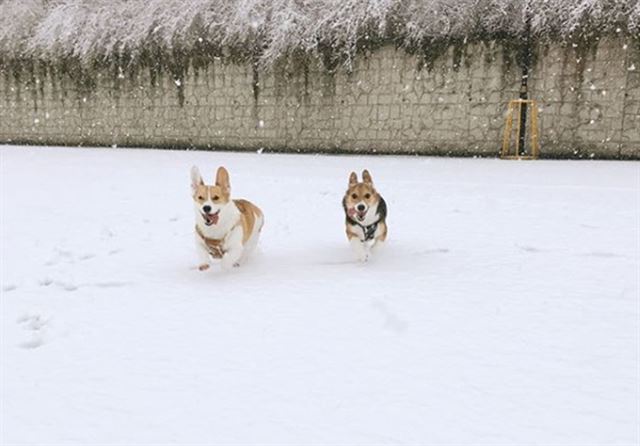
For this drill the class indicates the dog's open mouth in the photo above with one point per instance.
(211, 219)
(360, 215)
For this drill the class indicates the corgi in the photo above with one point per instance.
(225, 229)
(366, 213)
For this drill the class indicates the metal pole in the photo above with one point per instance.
(526, 56)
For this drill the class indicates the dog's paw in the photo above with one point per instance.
(203, 267)
(229, 265)
(363, 258)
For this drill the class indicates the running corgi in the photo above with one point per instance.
(366, 213)
(225, 229)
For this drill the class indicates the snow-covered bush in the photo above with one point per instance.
(18, 20)
(265, 30)
(580, 18)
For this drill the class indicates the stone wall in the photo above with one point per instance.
(590, 100)
(391, 102)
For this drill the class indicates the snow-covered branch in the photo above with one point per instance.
(267, 29)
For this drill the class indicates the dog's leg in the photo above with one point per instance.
(359, 249)
(380, 237)
(248, 248)
(251, 244)
(377, 246)
(203, 255)
(233, 245)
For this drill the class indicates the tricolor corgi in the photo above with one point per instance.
(225, 229)
(366, 213)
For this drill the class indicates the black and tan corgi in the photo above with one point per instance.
(225, 229)
(366, 214)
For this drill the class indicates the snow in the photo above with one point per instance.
(504, 309)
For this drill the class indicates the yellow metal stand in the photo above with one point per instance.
(515, 107)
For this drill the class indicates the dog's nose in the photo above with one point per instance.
(206, 209)
(361, 207)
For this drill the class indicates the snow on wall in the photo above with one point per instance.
(390, 101)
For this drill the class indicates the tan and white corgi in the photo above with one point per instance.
(366, 214)
(225, 229)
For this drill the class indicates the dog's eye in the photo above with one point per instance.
(200, 197)
(215, 198)
(367, 196)
(354, 196)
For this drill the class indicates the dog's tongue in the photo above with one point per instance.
(354, 213)
(212, 218)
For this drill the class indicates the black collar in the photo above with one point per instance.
(369, 230)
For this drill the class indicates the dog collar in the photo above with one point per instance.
(369, 230)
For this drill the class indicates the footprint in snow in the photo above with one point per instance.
(35, 325)
(64, 253)
(60, 255)
(529, 248)
(46, 281)
(602, 255)
(67, 286)
(36, 342)
(111, 284)
(9, 287)
(108, 233)
(33, 322)
(391, 320)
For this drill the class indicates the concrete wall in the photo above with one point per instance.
(390, 102)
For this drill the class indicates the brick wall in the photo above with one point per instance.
(389, 102)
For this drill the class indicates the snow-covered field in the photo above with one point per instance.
(504, 309)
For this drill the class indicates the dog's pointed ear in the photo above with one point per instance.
(222, 178)
(366, 176)
(353, 179)
(196, 178)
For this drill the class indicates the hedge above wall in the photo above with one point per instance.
(130, 32)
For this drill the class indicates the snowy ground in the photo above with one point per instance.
(504, 310)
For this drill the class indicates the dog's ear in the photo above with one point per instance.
(222, 178)
(196, 178)
(366, 177)
(353, 179)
